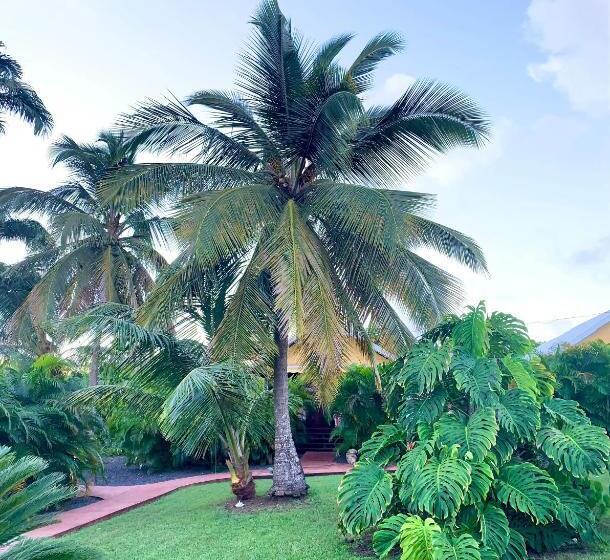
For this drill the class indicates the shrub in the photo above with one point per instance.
(359, 405)
(583, 375)
(24, 492)
(488, 461)
(35, 418)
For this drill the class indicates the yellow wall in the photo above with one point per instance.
(603, 333)
(353, 355)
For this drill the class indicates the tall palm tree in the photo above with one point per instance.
(292, 177)
(102, 252)
(18, 98)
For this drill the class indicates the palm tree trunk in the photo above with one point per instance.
(288, 476)
(94, 366)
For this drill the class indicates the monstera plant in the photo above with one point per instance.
(488, 463)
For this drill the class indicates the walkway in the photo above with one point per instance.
(119, 499)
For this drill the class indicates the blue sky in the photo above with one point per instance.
(537, 198)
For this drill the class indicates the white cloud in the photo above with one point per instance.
(575, 37)
(391, 89)
(449, 169)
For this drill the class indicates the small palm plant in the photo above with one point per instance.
(24, 494)
(195, 403)
(294, 179)
(488, 461)
(18, 98)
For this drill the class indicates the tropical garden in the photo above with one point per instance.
(155, 309)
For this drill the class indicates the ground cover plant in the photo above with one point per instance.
(490, 463)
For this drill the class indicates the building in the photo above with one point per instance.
(597, 328)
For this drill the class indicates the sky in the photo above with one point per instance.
(536, 197)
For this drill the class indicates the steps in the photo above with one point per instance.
(318, 458)
(318, 440)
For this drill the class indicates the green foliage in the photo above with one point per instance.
(358, 403)
(583, 375)
(25, 492)
(365, 494)
(490, 460)
(37, 419)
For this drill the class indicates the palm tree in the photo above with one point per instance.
(18, 98)
(102, 252)
(24, 494)
(197, 405)
(292, 177)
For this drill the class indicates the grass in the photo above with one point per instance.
(195, 524)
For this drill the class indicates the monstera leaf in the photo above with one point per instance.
(518, 413)
(482, 478)
(385, 445)
(475, 434)
(494, 528)
(364, 495)
(471, 332)
(424, 366)
(516, 549)
(416, 538)
(527, 489)
(439, 487)
(566, 411)
(574, 512)
(505, 446)
(520, 373)
(450, 547)
(507, 335)
(479, 377)
(408, 467)
(421, 409)
(387, 535)
(581, 449)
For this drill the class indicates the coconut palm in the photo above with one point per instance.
(197, 405)
(293, 178)
(102, 252)
(18, 98)
(24, 494)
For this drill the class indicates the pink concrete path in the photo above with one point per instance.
(119, 499)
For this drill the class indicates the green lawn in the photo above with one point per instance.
(193, 524)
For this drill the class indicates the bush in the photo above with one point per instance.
(488, 461)
(359, 405)
(583, 375)
(35, 418)
(24, 493)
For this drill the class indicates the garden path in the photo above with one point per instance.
(119, 499)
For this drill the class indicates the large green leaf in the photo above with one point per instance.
(471, 333)
(479, 377)
(543, 538)
(439, 487)
(385, 445)
(424, 366)
(505, 446)
(450, 547)
(566, 411)
(387, 535)
(493, 525)
(507, 335)
(482, 478)
(475, 435)
(416, 538)
(581, 449)
(522, 376)
(574, 512)
(519, 413)
(527, 489)
(424, 408)
(364, 496)
(409, 466)
(516, 547)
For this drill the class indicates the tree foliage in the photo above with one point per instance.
(499, 464)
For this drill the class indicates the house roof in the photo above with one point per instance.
(376, 347)
(576, 335)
